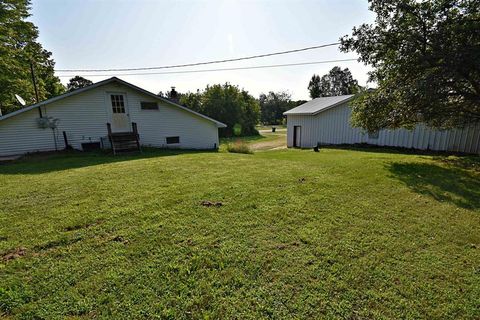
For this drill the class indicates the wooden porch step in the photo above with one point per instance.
(124, 137)
(124, 141)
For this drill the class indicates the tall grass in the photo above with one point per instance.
(239, 146)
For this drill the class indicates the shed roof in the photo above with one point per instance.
(318, 105)
(100, 83)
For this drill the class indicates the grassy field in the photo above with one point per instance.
(277, 234)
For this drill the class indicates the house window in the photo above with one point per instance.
(373, 135)
(118, 104)
(173, 140)
(148, 105)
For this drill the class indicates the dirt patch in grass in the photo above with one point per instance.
(206, 203)
(278, 142)
(14, 254)
(120, 239)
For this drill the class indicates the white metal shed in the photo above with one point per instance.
(326, 121)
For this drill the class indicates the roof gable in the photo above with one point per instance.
(101, 83)
(318, 105)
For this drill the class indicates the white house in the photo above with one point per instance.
(327, 121)
(82, 117)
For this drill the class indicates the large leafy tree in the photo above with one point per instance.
(426, 62)
(192, 100)
(273, 105)
(336, 82)
(228, 104)
(78, 82)
(19, 50)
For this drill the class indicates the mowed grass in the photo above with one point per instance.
(336, 234)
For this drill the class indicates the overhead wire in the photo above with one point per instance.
(214, 70)
(202, 63)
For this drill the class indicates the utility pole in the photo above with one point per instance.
(34, 81)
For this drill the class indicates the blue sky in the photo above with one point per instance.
(90, 34)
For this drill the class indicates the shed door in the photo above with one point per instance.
(120, 116)
(297, 134)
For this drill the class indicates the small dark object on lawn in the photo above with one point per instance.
(317, 148)
(120, 239)
(206, 203)
(273, 129)
(14, 254)
(301, 180)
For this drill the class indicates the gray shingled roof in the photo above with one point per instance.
(318, 105)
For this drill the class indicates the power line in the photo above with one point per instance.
(202, 63)
(214, 70)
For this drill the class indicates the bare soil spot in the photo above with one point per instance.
(206, 203)
(14, 254)
(120, 239)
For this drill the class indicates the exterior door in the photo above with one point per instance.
(297, 134)
(120, 116)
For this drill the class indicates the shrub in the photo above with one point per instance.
(239, 147)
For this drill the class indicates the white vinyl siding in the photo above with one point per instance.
(84, 118)
(333, 127)
(154, 126)
(20, 134)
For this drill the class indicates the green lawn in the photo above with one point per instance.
(336, 234)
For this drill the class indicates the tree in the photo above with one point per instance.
(78, 82)
(19, 50)
(228, 104)
(336, 82)
(314, 87)
(426, 62)
(192, 100)
(273, 105)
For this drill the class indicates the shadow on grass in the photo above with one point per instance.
(64, 160)
(449, 183)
